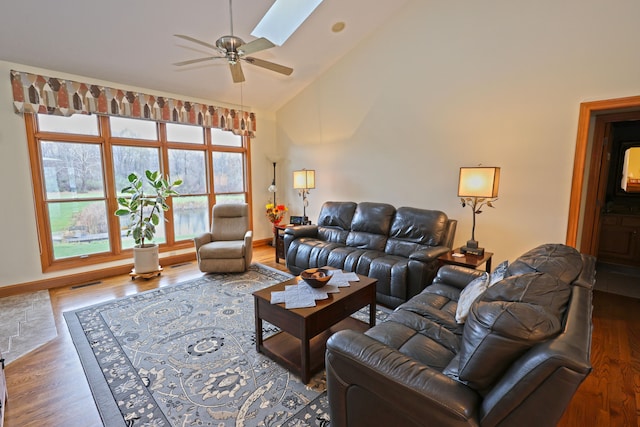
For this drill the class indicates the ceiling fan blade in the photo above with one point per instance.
(269, 65)
(236, 72)
(191, 39)
(255, 46)
(194, 61)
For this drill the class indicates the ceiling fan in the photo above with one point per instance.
(234, 49)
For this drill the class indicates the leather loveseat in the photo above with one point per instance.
(516, 361)
(399, 247)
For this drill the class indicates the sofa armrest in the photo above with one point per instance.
(248, 247)
(457, 276)
(202, 239)
(302, 231)
(395, 386)
(292, 233)
(429, 254)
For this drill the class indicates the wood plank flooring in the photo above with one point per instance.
(48, 388)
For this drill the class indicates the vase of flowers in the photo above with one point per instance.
(275, 213)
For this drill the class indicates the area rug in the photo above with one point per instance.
(185, 355)
(27, 323)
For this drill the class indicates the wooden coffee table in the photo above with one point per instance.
(300, 345)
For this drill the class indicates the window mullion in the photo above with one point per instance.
(165, 170)
(113, 222)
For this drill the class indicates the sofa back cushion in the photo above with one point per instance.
(413, 229)
(509, 318)
(334, 221)
(370, 226)
(561, 261)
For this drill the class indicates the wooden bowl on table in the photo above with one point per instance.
(315, 277)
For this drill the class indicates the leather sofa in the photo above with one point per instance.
(399, 247)
(516, 361)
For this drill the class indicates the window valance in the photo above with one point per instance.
(34, 93)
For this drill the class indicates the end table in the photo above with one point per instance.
(278, 232)
(467, 260)
(3, 391)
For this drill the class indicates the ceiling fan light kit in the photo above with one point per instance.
(234, 50)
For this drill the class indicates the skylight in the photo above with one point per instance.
(283, 18)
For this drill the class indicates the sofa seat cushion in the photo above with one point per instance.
(424, 328)
(438, 302)
(345, 258)
(418, 337)
(509, 318)
(309, 252)
(224, 249)
(391, 271)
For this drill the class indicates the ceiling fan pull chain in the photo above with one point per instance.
(231, 16)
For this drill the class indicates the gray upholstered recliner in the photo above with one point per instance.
(227, 248)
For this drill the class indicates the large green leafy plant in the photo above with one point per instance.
(143, 209)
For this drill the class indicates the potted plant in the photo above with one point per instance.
(143, 211)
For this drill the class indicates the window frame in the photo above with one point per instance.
(106, 142)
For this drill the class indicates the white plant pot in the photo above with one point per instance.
(145, 259)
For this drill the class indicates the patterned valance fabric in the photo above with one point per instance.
(34, 93)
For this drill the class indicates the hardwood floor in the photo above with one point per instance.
(47, 387)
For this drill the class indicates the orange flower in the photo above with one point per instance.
(275, 212)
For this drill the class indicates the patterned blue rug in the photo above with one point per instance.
(185, 355)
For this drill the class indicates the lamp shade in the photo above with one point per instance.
(304, 179)
(479, 182)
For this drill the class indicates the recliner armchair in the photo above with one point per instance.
(227, 248)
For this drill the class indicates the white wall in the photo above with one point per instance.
(19, 251)
(442, 85)
(447, 84)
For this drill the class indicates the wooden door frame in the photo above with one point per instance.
(588, 111)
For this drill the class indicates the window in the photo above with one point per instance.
(191, 207)
(80, 164)
(185, 133)
(75, 198)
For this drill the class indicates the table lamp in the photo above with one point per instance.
(303, 181)
(477, 187)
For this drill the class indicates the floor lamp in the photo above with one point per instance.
(272, 188)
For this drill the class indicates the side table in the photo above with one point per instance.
(3, 391)
(467, 260)
(278, 234)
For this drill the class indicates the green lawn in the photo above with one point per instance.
(66, 250)
(62, 216)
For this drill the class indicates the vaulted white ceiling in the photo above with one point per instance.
(131, 42)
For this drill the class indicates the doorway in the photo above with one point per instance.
(582, 204)
(589, 189)
(606, 201)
